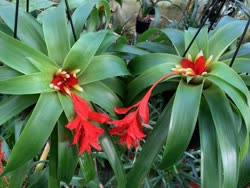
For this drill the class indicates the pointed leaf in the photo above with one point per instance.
(98, 91)
(87, 167)
(182, 122)
(209, 149)
(56, 34)
(145, 62)
(7, 73)
(27, 84)
(226, 134)
(102, 67)
(11, 106)
(67, 153)
(19, 61)
(223, 37)
(28, 29)
(114, 160)
(36, 131)
(177, 39)
(83, 51)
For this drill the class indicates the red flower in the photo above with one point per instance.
(130, 127)
(86, 133)
(65, 81)
(190, 68)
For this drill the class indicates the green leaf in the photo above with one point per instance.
(19, 61)
(148, 78)
(56, 34)
(227, 74)
(67, 105)
(93, 20)
(27, 84)
(147, 61)
(103, 96)
(105, 5)
(28, 29)
(102, 67)
(87, 167)
(67, 153)
(224, 37)
(177, 39)
(11, 106)
(182, 122)
(125, 48)
(53, 181)
(37, 130)
(240, 65)
(7, 73)
(117, 85)
(210, 169)
(147, 34)
(80, 16)
(18, 176)
(150, 149)
(155, 47)
(83, 51)
(114, 160)
(226, 131)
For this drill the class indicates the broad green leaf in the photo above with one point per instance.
(28, 29)
(102, 67)
(67, 153)
(182, 122)
(125, 48)
(117, 85)
(227, 74)
(145, 62)
(148, 78)
(93, 20)
(240, 65)
(7, 73)
(242, 53)
(236, 96)
(80, 16)
(83, 51)
(56, 34)
(87, 167)
(18, 176)
(109, 39)
(223, 21)
(103, 96)
(19, 61)
(177, 39)
(11, 106)
(38, 179)
(226, 131)
(150, 149)
(37, 130)
(155, 47)
(147, 34)
(244, 176)
(46, 68)
(210, 170)
(53, 181)
(5, 29)
(67, 105)
(114, 160)
(27, 84)
(188, 36)
(224, 37)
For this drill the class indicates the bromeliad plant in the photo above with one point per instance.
(54, 81)
(207, 93)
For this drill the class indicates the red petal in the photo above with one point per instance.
(185, 63)
(200, 65)
(98, 117)
(71, 81)
(81, 106)
(75, 123)
(125, 110)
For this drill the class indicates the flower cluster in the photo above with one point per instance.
(130, 128)
(86, 133)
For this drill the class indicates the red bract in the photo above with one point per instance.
(130, 127)
(189, 67)
(65, 81)
(86, 133)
